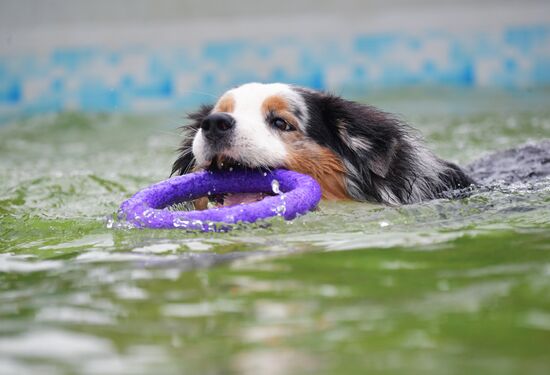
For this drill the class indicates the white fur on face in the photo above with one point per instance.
(254, 142)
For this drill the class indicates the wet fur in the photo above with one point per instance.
(185, 162)
(384, 160)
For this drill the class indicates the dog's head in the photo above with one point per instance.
(252, 125)
(262, 126)
(354, 151)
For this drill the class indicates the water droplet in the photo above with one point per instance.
(197, 224)
(211, 226)
(110, 223)
(179, 222)
(275, 187)
(281, 210)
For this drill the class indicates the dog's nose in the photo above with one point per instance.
(217, 125)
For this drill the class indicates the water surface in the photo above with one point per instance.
(442, 287)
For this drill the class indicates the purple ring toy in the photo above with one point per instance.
(148, 208)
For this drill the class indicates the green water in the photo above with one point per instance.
(443, 287)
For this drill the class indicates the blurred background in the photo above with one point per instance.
(141, 55)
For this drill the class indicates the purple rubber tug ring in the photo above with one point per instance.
(148, 208)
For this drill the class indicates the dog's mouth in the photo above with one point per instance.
(223, 163)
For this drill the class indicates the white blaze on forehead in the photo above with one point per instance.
(254, 142)
(250, 97)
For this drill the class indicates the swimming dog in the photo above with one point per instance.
(355, 151)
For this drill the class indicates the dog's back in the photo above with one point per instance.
(526, 163)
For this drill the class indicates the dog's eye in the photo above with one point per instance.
(281, 124)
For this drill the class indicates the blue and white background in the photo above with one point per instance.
(170, 55)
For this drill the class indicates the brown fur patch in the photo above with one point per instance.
(280, 107)
(201, 203)
(319, 162)
(275, 103)
(225, 104)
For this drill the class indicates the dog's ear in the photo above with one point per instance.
(186, 161)
(381, 157)
(363, 135)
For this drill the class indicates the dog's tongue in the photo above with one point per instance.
(238, 198)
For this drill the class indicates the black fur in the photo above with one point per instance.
(395, 160)
(186, 161)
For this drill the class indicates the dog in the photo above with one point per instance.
(355, 151)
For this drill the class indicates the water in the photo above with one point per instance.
(443, 287)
